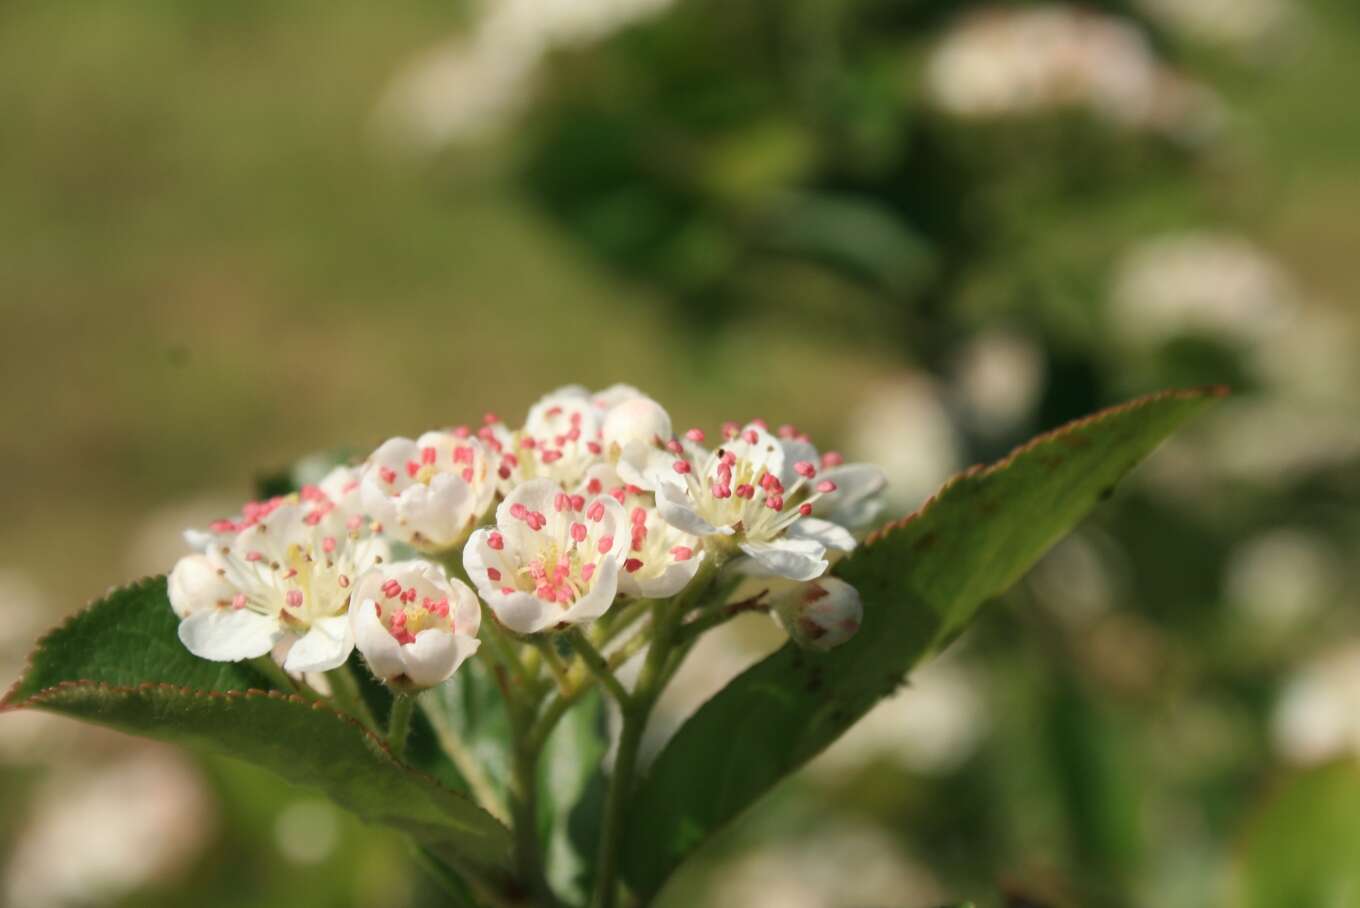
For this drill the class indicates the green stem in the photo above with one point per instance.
(558, 668)
(524, 811)
(598, 667)
(399, 723)
(345, 693)
(636, 711)
(463, 759)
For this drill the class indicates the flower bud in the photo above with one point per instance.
(412, 624)
(820, 614)
(639, 419)
(195, 584)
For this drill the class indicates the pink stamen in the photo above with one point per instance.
(293, 598)
(328, 544)
(387, 474)
(832, 459)
(496, 541)
(681, 466)
(596, 512)
(427, 455)
(805, 469)
(682, 553)
(494, 574)
(775, 502)
(552, 456)
(238, 601)
(606, 543)
(518, 511)
(825, 486)
(632, 565)
(746, 490)
(695, 435)
(805, 509)
(578, 532)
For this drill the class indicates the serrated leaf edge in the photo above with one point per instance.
(7, 701)
(37, 700)
(976, 471)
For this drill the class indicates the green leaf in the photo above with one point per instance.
(1303, 849)
(129, 637)
(922, 580)
(120, 663)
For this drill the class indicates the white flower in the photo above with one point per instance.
(283, 578)
(662, 559)
(560, 440)
(755, 493)
(413, 624)
(430, 492)
(821, 614)
(553, 557)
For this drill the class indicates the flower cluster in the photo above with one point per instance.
(592, 500)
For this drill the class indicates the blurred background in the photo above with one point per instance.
(233, 234)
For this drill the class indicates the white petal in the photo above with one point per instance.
(794, 451)
(827, 533)
(325, 646)
(646, 466)
(440, 511)
(229, 635)
(676, 508)
(194, 585)
(673, 578)
(435, 655)
(523, 613)
(596, 602)
(796, 559)
(478, 557)
(856, 501)
(378, 647)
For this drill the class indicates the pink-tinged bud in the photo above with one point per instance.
(640, 419)
(820, 614)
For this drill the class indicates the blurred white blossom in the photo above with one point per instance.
(1281, 577)
(1209, 284)
(840, 865)
(94, 837)
(1004, 62)
(471, 84)
(1244, 25)
(931, 726)
(1317, 717)
(998, 378)
(307, 832)
(905, 427)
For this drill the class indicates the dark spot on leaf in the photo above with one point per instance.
(925, 542)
